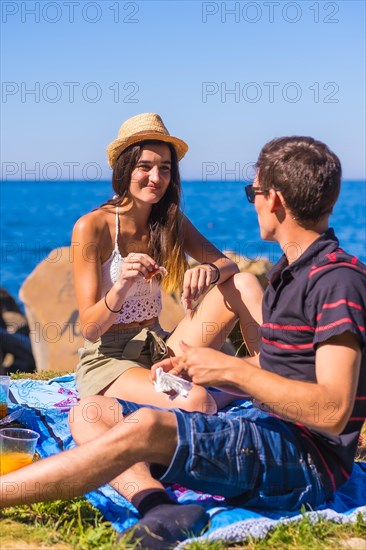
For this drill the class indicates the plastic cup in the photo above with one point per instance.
(17, 448)
(4, 394)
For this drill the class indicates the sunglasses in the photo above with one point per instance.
(251, 192)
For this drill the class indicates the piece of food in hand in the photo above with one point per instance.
(186, 304)
(160, 270)
(166, 382)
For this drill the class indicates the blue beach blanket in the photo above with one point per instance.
(44, 408)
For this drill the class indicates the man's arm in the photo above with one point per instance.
(324, 406)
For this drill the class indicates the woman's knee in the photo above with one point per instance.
(241, 288)
(91, 411)
(200, 401)
(247, 283)
(251, 295)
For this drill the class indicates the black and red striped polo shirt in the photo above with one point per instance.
(320, 295)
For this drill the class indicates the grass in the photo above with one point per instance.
(302, 535)
(59, 525)
(76, 524)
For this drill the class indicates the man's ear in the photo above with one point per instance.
(275, 200)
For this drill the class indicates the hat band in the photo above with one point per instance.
(150, 132)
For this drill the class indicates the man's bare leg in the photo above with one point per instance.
(144, 436)
(92, 417)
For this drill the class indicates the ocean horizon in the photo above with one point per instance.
(38, 216)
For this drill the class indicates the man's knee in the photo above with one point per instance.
(153, 437)
(145, 419)
(149, 423)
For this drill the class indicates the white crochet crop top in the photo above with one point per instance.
(143, 299)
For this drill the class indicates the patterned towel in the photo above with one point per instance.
(44, 408)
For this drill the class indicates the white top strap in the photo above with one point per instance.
(117, 231)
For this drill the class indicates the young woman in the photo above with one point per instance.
(128, 248)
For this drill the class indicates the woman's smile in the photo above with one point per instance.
(152, 172)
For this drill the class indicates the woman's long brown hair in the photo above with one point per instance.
(165, 224)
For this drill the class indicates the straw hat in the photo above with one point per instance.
(139, 128)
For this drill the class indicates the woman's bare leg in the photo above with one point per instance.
(135, 385)
(239, 298)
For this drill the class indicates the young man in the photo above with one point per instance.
(297, 444)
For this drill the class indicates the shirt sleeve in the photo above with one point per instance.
(337, 304)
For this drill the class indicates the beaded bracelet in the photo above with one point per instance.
(215, 268)
(107, 306)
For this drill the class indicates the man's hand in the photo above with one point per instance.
(173, 365)
(202, 365)
(207, 367)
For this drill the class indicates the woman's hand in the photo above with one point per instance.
(137, 265)
(197, 281)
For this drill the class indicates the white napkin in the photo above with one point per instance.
(166, 382)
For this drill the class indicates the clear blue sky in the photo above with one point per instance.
(292, 67)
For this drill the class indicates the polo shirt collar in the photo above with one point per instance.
(326, 240)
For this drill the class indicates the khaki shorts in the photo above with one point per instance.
(103, 361)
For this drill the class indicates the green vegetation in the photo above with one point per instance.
(77, 525)
(73, 524)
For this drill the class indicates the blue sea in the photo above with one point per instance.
(37, 217)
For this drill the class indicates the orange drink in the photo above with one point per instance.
(13, 461)
(17, 447)
(3, 410)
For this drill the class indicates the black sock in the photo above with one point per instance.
(152, 500)
(165, 525)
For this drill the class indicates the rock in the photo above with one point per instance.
(51, 309)
(15, 348)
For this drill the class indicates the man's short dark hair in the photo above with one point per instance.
(305, 171)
